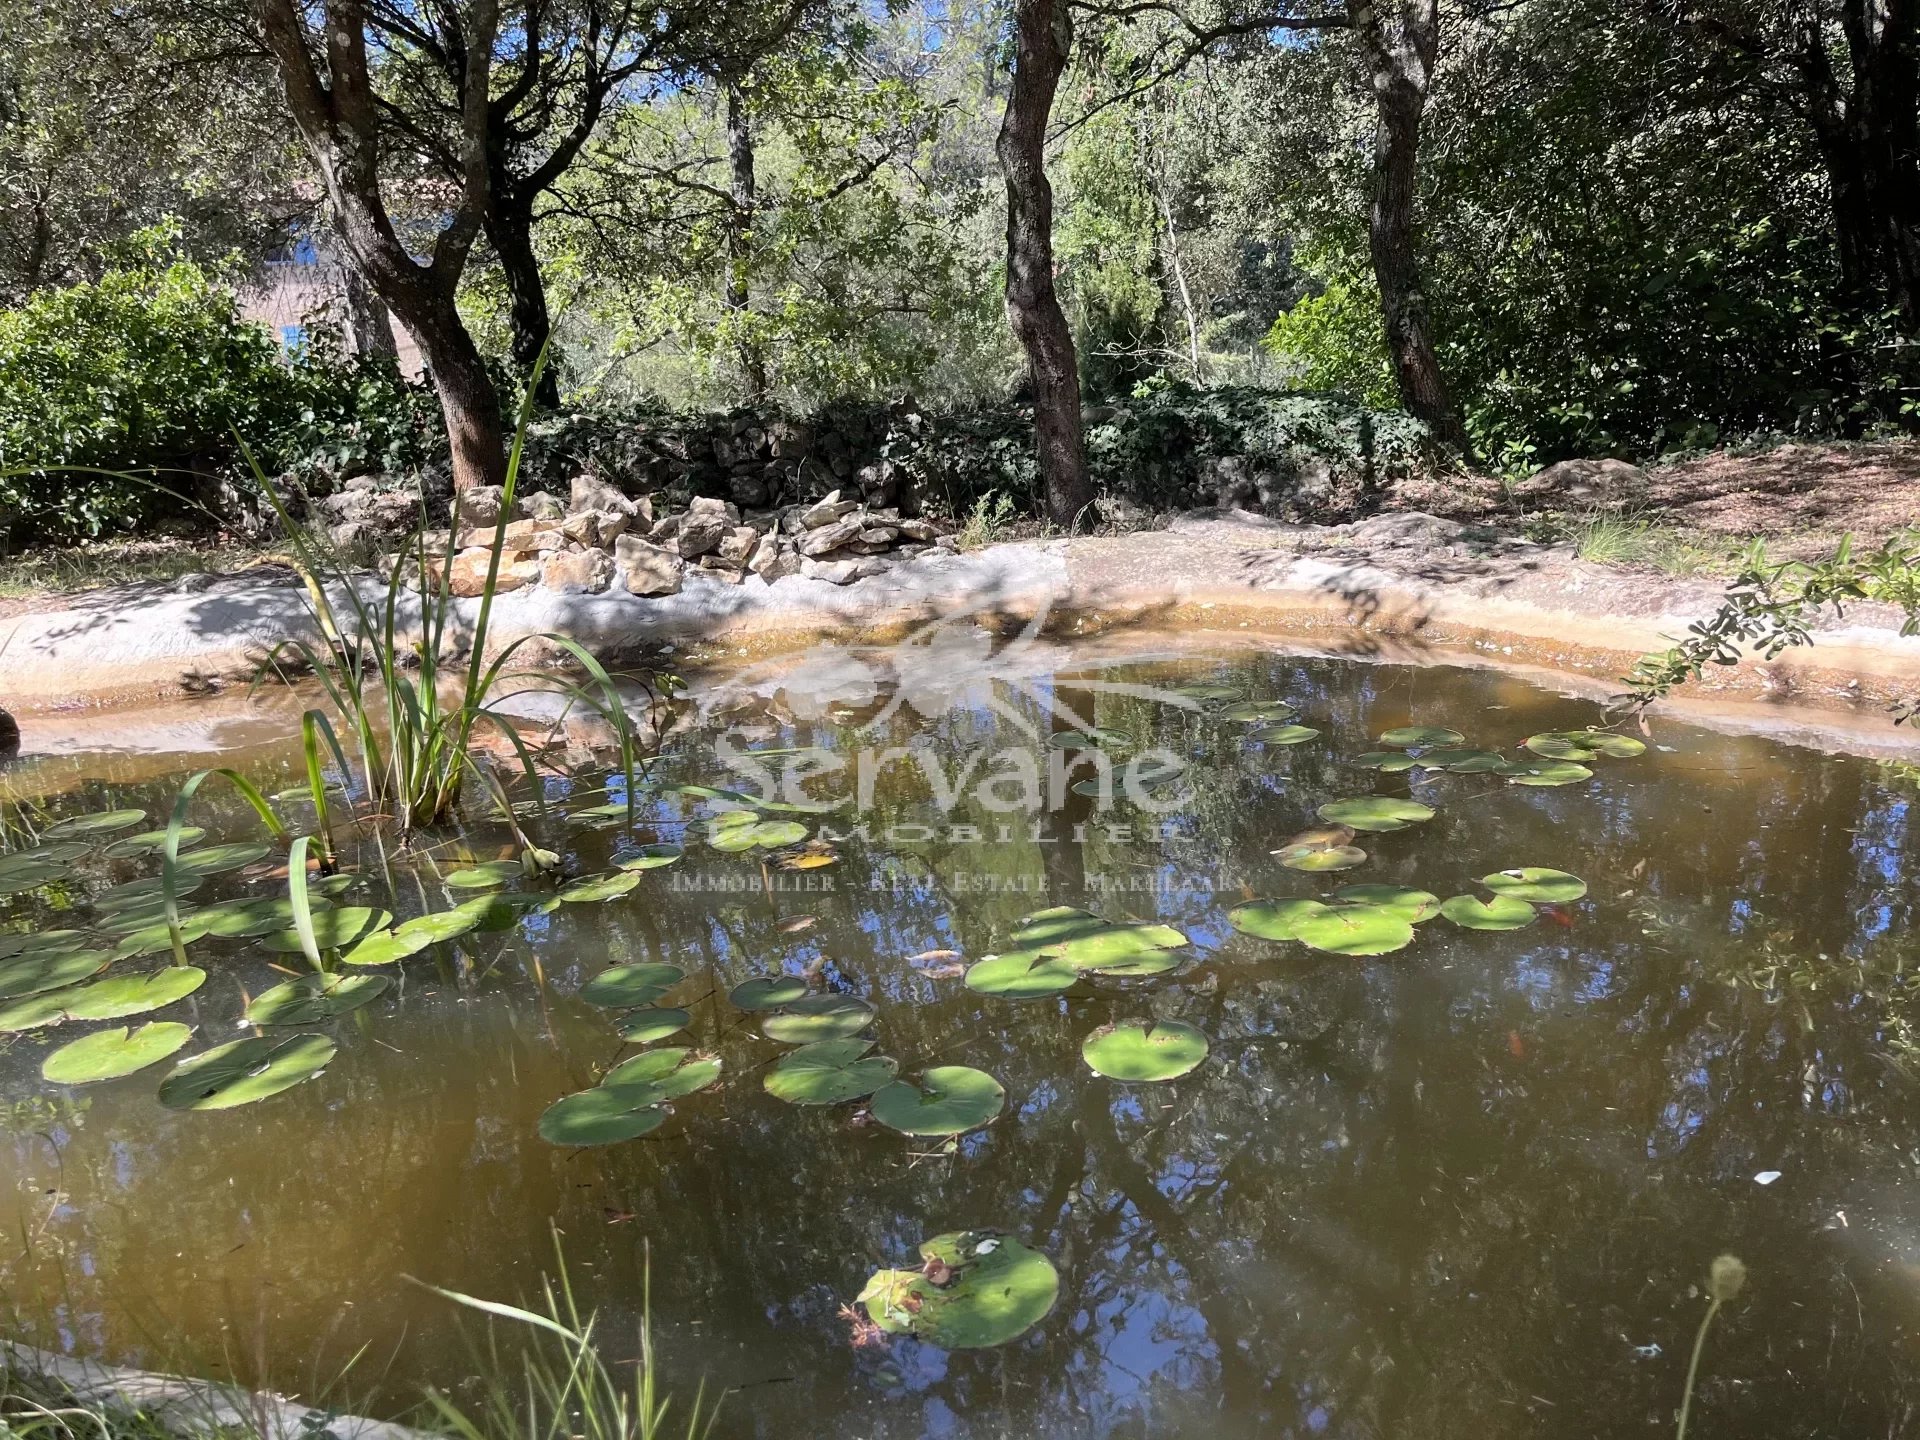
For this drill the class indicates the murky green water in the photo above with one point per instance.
(1468, 1188)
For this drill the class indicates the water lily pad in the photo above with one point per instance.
(110, 1054)
(1416, 905)
(1375, 812)
(1056, 925)
(1355, 930)
(1273, 919)
(1536, 886)
(648, 857)
(1089, 739)
(596, 888)
(947, 1100)
(1021, 975)
(59, 856)
(384, 947)
(236, 919)
(333, 929)
(28, 878)
(655, 1076)
(1317, 858)
(39, 942)
(767, 992)
(216, 859)
(490, 875)
(1544, 773)
(597, 1117)
(818, 1017)
(1144, 1051)
(113, 998)
(1204, 691)
(629, 987)
(103, 822)
(1115, 944)
(754, 802)
(995, 1289)
(1408, 737)
(312, 999)
(1387, 761)
(1502, 912)
(153, 936)
(1283, 734)
(243, 1071)
(441, 926)
(48, 970)
(1465, 762)
(738, 831)
(829, 1072)
(1265, 712)
(643, 1027)
(142, 894)
(1583, 745)
(151, 842)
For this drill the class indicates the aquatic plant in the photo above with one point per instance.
(1726, 1278)
(1144, 1051)
(977, 1288)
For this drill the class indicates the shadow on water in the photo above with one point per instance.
(1471, 1188)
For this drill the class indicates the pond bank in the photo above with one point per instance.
(1407, 583)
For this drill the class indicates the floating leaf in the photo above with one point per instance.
(648, 857)
(1544, 772)
(153, 937)
(1355, 930)
(1021, 975)
(1407, 737)
(218, 858)
(243, 1071)
(818, 1017)
(1089, 739)
(1465, 762)
(1388, 761)
(655, 1076)
(948, 1100)
(754, 802)
(113, 998)
(595, 888)
(1266, 712)
(44, 857)
(333, 929)
(1375, 812)
(1536, 886)
(597, 1117)
(49, 970)
(151, 842)
(1317, 858)
(39, 942)
(25, 879)
(767, 992)
(996, 1290)
(140, 894)
(643, 1027)
(628, 987)
(488, 876)
(1273, 919)
(252, 918)
(1582, 745)
(1206, 692)
(312, 999)
(829, 1072)
(103, 822)
(111, 1054)
(1144, 1051)
(1055, 925)
(384, 947)
(1113, 945)
(443, 925)
(1502, 912)
(1416, 905)
(1283, 734)
(737, 831)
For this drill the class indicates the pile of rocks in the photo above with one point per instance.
(600, 537)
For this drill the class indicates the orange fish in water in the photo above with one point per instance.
(1516, 1047)
(1559, 915)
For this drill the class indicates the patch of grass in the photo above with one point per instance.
(1638, 543)
(124, 562)
(992, 519)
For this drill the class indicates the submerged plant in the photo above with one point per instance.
(1725, 1279)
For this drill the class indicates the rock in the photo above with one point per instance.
(879, 535)
(827, 511)
(480, 505)
(704, 526)
(1404, 530)
(739, 544)
(748, 489)
(540, 505)
(589, 493)
(820, 541)
(872, 565)
(354, 535)
(469, 573)
(9, 736)
(834, 572)
(1603, 482)
(790, 439)
(582, 528)
(722, 569)
(578, 572)
(612, 525)
(667, 527)
(649, 569)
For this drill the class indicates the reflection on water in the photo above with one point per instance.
(1471, 1188)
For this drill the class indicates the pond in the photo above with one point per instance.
(1469, 1185)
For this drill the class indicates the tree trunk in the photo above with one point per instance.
(475, 434)
(1042, 34)
(743, 202)
(511, 233)
(1401, 65)
(369, 326)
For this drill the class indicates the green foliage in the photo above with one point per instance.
(1333, 341)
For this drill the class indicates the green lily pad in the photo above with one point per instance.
(1092, 739)
(1207, 692)
(331, 886)
(738, 831)
(1544, 773)
(1116, 944)
(1583, 745)
(1056, 925)
(1355, 930)
(1144, 1051)
(333, 929)
(151, 842)
(27, 879)
(595, 888)
(59, 856)
(1283, 734)
(103, 822)
(1502, 912)
(490, 875)
(655, 1076)
(597, 1117)
(440, 926)
(829, 1072)
(1536, 886)
(114, 998)
(384, 947)
(236, 919)
(1416, 905)
(110, 1054)
(767, 992)
(818, 1017)
(1273, 919)
(643, 1027)
(243, 1071)
(648, 857)
(312, 999)
(1021, 975)
(1317, 858)
(48, 970)
(39, 942)
(755, 803)
(153, 937)
(630, 987)
(1265, 712)
(1408, 737)
(1466, 762)
(1375, 812)
(217, 859)
(996, 1290)
(948, 1100)
(142, 894)
(1387, 761)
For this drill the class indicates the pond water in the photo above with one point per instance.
(1471, 1186)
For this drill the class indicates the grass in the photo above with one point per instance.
(1637, 542)
(125, 562)
(992, 519)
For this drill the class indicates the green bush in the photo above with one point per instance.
(152, 369)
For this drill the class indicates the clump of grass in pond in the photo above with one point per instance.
(562, 1387)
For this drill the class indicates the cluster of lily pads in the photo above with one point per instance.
(1560, 757)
